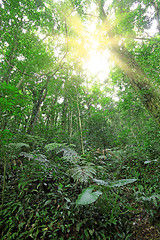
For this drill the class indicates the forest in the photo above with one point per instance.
(79, 119)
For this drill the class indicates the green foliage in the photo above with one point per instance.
(35, 142)
(43, 190)
(88, 196)
(18, 146)
(63, 150)
(50, 107)
(118, 183)
(147, 54)
(83, 172)
(12, 101)
(53, 146)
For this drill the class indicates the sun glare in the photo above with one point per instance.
(98, 64)
(97, 61)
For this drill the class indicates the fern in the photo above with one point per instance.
(42, 159)
(13, 149)
(82, 170)
(53, 146)
(70, 155)
(18, 146)
(83, 173)
(66, 151)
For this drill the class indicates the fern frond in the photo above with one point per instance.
(82, 173)
(53, 146)
(18, 145)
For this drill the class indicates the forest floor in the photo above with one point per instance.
(144, 230)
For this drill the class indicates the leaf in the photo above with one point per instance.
(118, 183)
(68, 152)
(150, 161)
(82, 173)
(150, 198)
(91, 231)
(47, 202)
(121, 182)
(53, 146)
(67, 199)
(78, 226)
(21, 224)
(86, 233)
(18, 145)
(87, 196)
(100, 182)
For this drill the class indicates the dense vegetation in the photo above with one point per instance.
(79, 157)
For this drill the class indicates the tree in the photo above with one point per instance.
(28, 62)
(127, 62)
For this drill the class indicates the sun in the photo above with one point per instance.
(98, 64)
(85, 44)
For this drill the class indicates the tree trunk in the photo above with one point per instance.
(155, 5)
(139, 81)
(10, 61)
(80, 126)
(137, 78)
(36, 107)
(70, 125)
(64, 113)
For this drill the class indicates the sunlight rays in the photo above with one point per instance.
(84, 42)
(91, 42)
(96, 45)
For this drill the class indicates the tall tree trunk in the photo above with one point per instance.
(89, 104)
(9, 60)
(139, 81)
(155, 5)
(137, 78)
(36, 107)
(70, 125)
(64, 113)
(80, 126)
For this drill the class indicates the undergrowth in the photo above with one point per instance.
(43, 186)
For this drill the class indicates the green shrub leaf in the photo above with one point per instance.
(118, 183)
(87, 196)
(122, 182)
